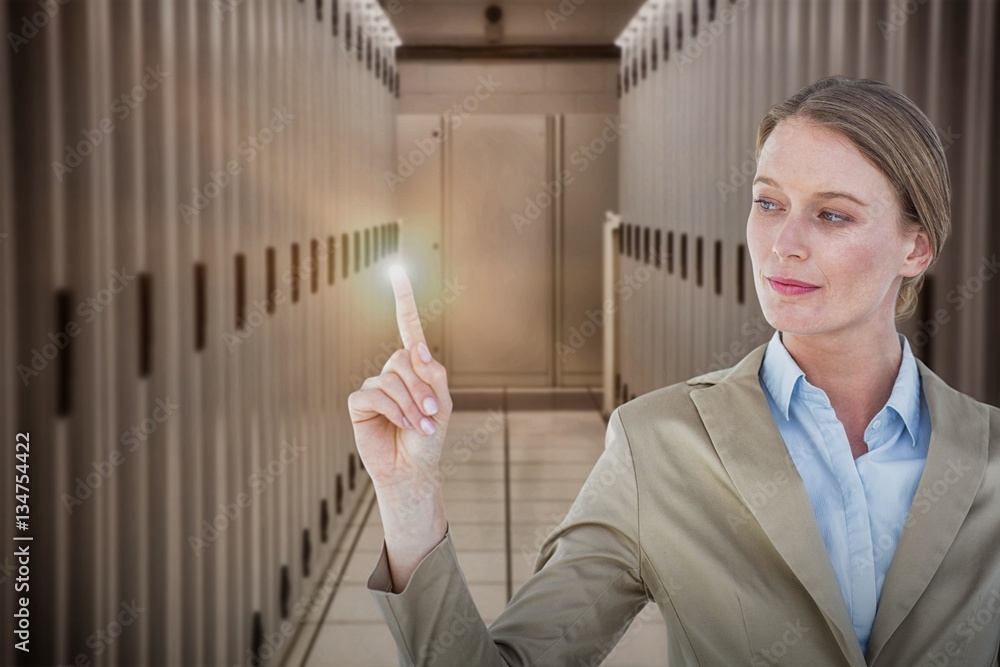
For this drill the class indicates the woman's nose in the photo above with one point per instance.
(791, 238)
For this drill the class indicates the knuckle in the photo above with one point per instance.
(386, 404)
(438, 373)
(392, 380)
(391, 362)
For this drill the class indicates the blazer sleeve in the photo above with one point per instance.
(585, 590)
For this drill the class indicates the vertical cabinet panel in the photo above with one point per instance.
(198, 463)
(588, 187)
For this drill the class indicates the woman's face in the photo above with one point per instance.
(822, 214)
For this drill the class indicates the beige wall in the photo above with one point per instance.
(517, 87)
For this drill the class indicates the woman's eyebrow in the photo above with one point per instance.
(828, 194)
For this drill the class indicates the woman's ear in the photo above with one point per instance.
(920, 255)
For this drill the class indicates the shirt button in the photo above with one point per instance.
(877, 424)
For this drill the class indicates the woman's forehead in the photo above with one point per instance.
(803, 156)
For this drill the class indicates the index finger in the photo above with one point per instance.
(406, 309)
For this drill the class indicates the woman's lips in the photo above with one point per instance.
(789, 290)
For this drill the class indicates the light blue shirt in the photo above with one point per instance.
(860, 505)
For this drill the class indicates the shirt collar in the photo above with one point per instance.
(781, 376)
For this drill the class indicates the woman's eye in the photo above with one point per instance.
(769, 206)
(836, 217)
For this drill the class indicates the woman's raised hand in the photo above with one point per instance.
(400, 416)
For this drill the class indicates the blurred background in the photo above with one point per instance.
(199, 201)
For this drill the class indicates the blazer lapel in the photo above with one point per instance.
(956, 465)
(736, 414)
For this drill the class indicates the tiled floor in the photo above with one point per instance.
(551, 452)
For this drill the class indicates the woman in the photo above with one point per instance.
(828, 500)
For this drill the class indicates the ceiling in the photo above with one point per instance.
(524, 22)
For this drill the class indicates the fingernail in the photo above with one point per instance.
(430, 406)
(406, 423)
(427, 425)
(425, 354)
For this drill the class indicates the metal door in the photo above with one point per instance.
(499, 249)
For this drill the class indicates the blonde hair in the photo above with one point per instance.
(898, 139)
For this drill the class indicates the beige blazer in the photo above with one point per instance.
(696, 505)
